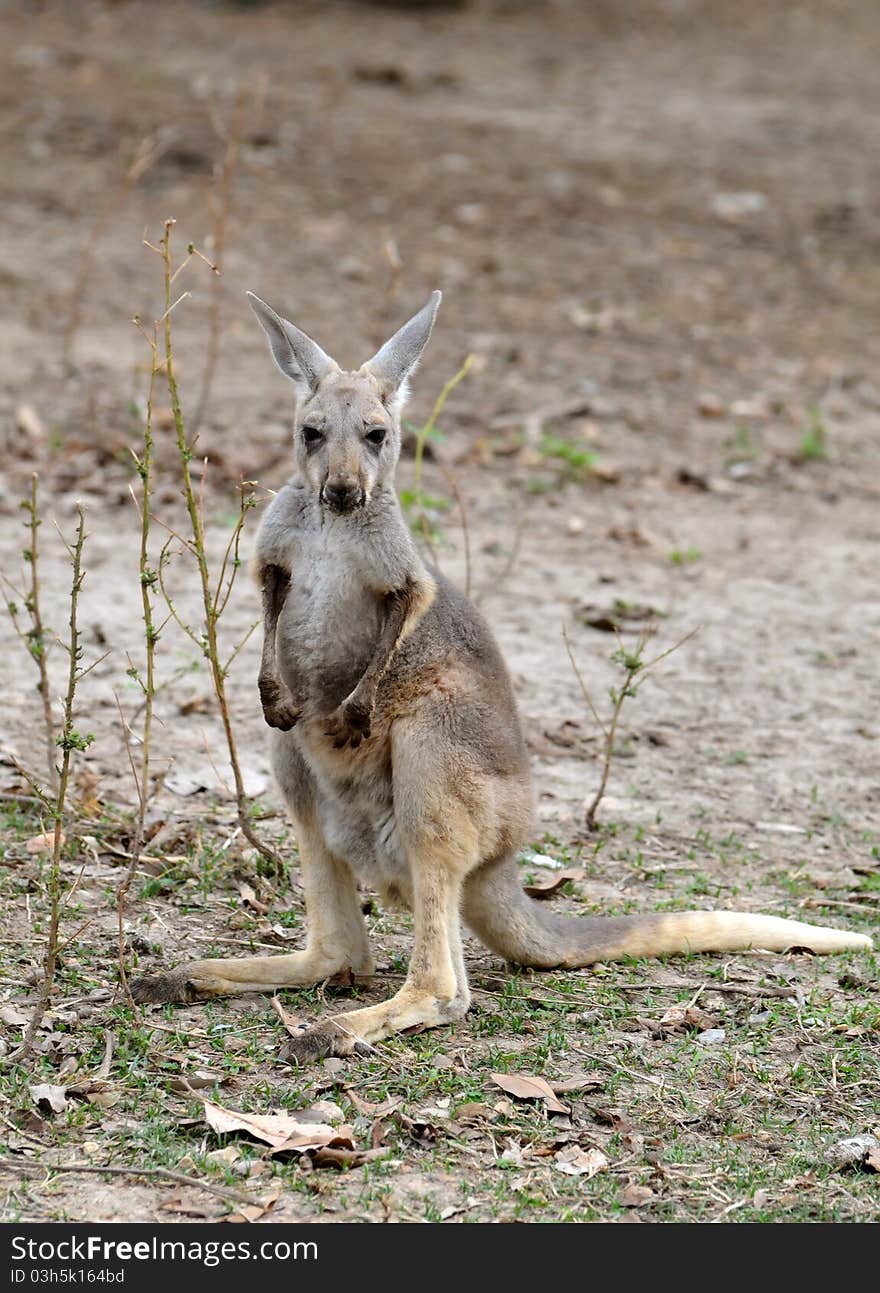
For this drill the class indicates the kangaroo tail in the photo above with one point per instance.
(523, 931)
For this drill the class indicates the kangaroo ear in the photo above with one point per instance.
(298, 357)
(396, 361)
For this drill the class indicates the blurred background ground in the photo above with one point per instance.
(657, 228)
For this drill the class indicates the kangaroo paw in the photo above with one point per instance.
(350, 724)
(279, 708)
(320, 1042)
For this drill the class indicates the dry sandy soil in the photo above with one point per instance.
(657, 229)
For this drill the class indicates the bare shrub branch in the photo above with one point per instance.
(214, 597)
(634, 668)
(35, 638)
(69, 740)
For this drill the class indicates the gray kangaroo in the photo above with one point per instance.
(396, 742)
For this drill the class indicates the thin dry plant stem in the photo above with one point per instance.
(39, 649)
(221, 204)
(34, 639)
(583, 686)
(421, 438)
(148, 579)
(634, 668)
(210, 644)
(69, 740)
(160, 1173)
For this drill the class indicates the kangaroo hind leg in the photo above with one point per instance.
(441, 849)
(336, 941)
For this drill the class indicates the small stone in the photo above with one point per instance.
(738, 206)
(710, 405)
(711, 1036)
(29, 422)
(470, 213)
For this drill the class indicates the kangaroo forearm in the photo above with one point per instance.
(405, 607)
(279, 706)
(274, 585)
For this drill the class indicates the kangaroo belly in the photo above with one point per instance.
(360, 827)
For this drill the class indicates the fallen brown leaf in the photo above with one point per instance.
(182, 1209)
(249, 896)
(333, 1156)
(248, 1212)
(44, 843)
(368, 1108)
(586, 1082)
(184, 1083)
(522, 1086)
(282, 1131)
(224, 1157)
(574, 1161)
(613, 1118)
(475, 1111)
(685, 1019)
(636, 1196)
(545, 888)
(13, 1016)
(292, 1024)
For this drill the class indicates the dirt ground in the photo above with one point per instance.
(657, 230)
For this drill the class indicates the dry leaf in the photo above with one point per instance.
(29, 422)
(522, 1086)
(196, 1082)
(334, 1156)
(249, 896)
(282, 1131)
(43, 843)
(475, 1111)
(686, 1019)
(545, 888)
(853, 1151)
(586, 1082)
(53, 1096)
(194, 705)
(13, 1016)
(224, 1157)
(636, 1196)
(290, 1022)
(634, 1142)
(248, 1212)
(104, 1099)
(613, 1118)
(87, 785)
(370, 1109)
(872, 1160)
(183, 1209)
(574, 1161)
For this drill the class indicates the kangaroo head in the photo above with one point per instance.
(346, 424)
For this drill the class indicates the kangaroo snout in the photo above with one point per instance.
(342, 496)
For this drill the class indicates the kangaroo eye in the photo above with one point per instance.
(312, 436)
(376, 436)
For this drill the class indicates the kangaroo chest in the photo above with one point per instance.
(329, 625)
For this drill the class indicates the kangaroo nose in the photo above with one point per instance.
(341, 497)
